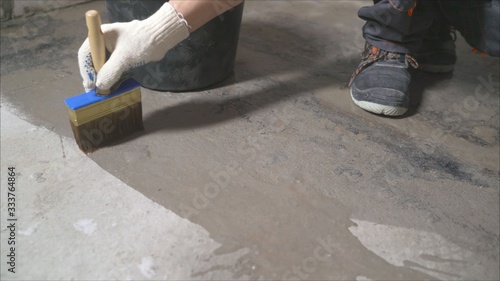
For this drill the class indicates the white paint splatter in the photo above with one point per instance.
(87, 226)
(30, 230)
(363, 278)
(147, 267)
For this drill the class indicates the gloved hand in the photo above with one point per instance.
(132, 44)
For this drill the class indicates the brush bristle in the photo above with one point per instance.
(99, 121)
(109, 128)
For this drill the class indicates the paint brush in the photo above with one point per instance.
(100, 119)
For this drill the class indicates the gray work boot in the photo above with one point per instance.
(381, 81)
(437, 52)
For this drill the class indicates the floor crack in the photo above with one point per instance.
(62, 147)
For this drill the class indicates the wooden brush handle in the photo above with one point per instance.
(96, 42)
(96, 39)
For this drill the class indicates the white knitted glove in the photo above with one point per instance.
(132, 44)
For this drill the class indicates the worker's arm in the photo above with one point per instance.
(199, 12)
(138, 42)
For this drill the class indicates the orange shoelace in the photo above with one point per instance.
(376, 54)
(476, 51)
(410, 11)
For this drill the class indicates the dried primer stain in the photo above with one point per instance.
(30, 230)
(87, 226)
(147, 267)
(38, 177)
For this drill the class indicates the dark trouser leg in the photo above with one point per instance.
(478, 21)
(380, 84)
(390, 27)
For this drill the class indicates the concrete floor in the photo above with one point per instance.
(273, 174)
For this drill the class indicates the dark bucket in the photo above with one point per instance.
(203, 59)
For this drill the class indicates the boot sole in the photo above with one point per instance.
(379, 108)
